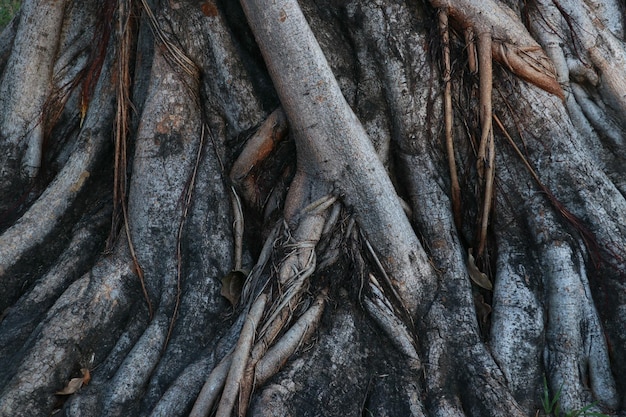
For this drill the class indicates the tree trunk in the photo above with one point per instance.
(313, 208)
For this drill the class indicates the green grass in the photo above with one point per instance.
(7, 9)
(551, 405)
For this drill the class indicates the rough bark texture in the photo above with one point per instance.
(124, 233)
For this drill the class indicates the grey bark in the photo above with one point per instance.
(352, 211)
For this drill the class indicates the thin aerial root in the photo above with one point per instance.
(238, 228)
(471, 49)
(121, 138)
(174, 52)
(249, 288)
(488, 195)
(321, 205)
(294, 287)
(137, 269)
(258, 351)
(292, 275)
(513, 45)
(240, 358)
(486, 150)
(455, 189)
(302, 329)
(333, 216)
(211, 388)
(588, 237)
(486, 86)
(269, 333)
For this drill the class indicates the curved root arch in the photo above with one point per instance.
(477, 255)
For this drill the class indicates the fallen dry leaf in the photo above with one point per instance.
(76, 383)
(232, 284)
(478, 277)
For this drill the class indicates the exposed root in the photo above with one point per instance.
(455, 189)
(240, 358)
(189, 191)
(27, 80)
(258, 148)
(297, 334)
(512, 45)
(587, 236)
(337, 142)
(486, 150)
(120, 182)
(291, 281)
(576, 347)
(52, 353)
(49, 211)
(470, 45)
(384, 314)
(212, 388)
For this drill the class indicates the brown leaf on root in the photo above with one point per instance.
(479, 278)
(232, 285)
(76, 383)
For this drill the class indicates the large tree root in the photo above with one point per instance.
(26, 85)
(557, 306)
(49, 214)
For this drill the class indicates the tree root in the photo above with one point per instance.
(258, 148)
(240, 358)
(98, 313)
(27, 81)
(575, 339)
(455, 189)
(512, 46)
(486, 150)
(464, 362)
(337, 143)
(50, 211)
(292, 280)
(20, 320)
